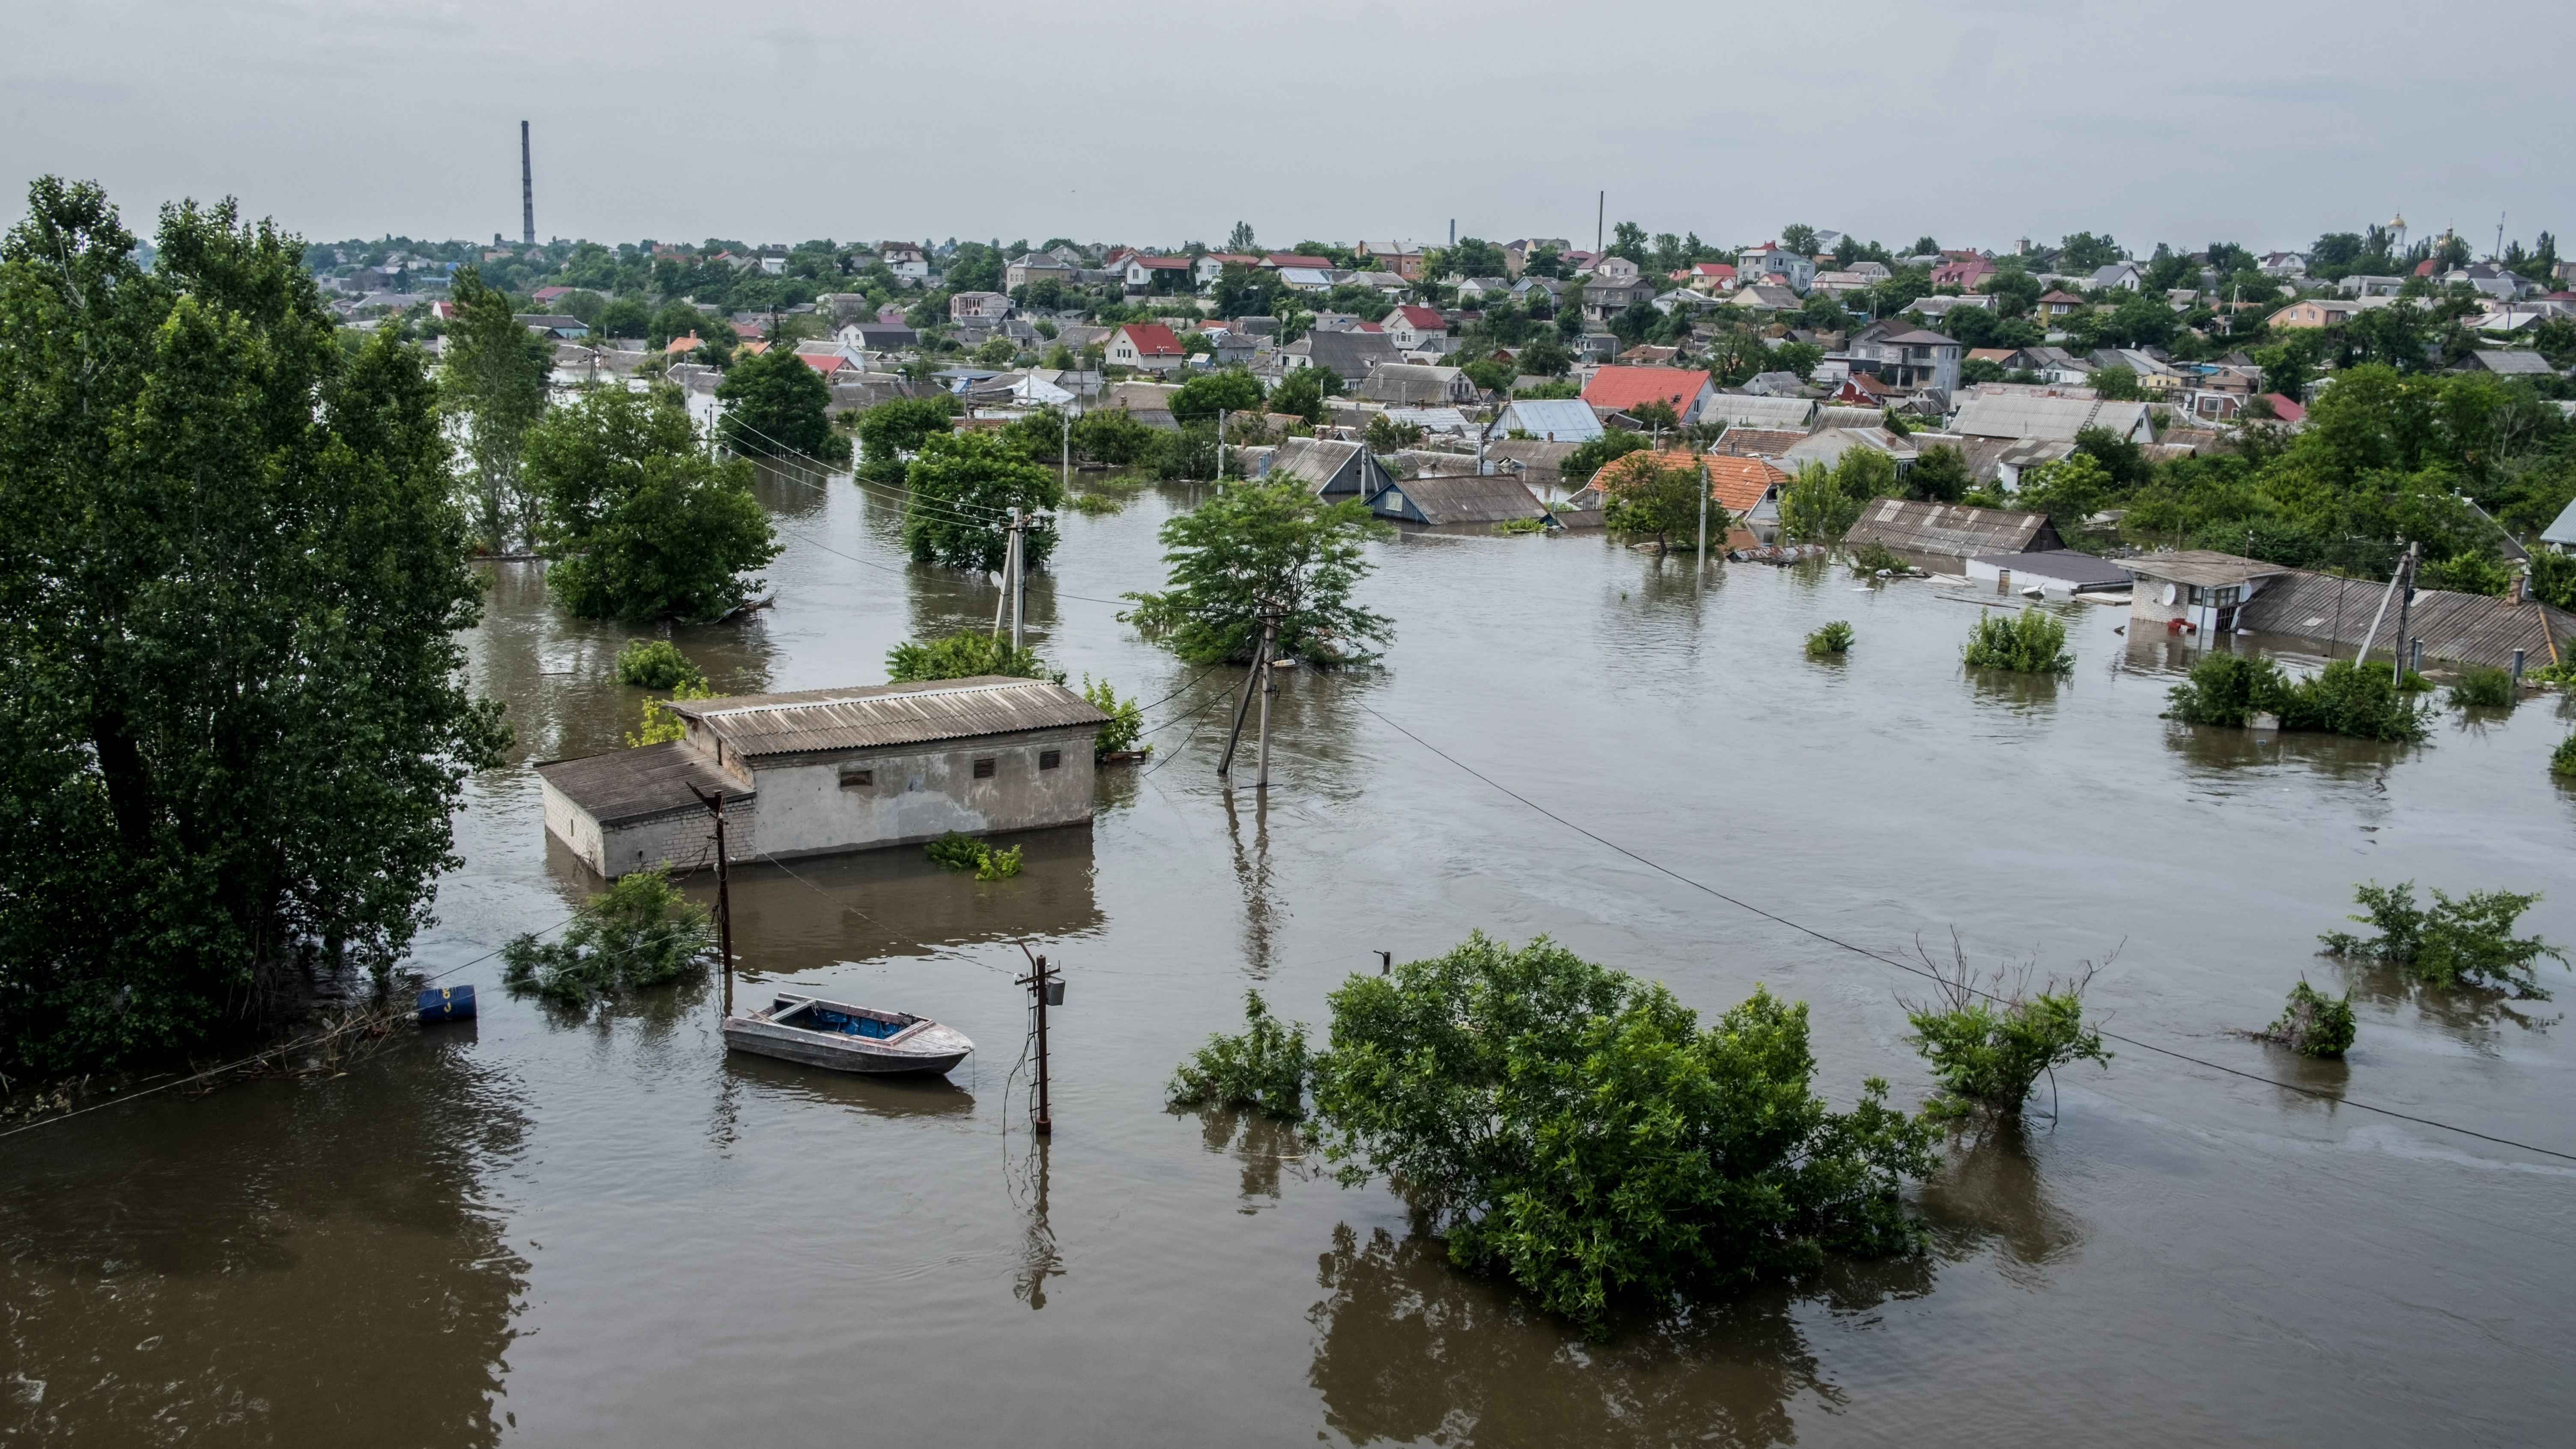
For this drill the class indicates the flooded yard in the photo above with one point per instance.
(546, 1230)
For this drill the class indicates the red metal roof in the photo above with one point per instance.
(1292, 259)
(1152, 339)
(826, 363)
(1621, 388)
(1423, 318)
(746, 329)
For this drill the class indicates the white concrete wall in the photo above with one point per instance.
(921, 794)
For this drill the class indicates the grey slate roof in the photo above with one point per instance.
(2562, 529)
(1314, 462)
(624, 786)
(2065, 565)
(2462, 628)
(2205, 567)
(1489, 499)
(1741, 410)
(876, 715)
(2045, 417)
(1954, 530)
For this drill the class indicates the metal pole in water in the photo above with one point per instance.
(724, 893)
(1703, 513)
(1019, 574)
(1260, 661)
(1269, 687)
(1037, 980)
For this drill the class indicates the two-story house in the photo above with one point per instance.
(906, 261)
(986, 307)
(1417, 329)
(1770, 260)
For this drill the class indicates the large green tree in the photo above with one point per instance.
(892, 431)
(640, 519)
(1257, 548)
(493, 383)
(231, 574)
(777, 405)
(959, 496)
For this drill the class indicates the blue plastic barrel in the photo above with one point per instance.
(447, 1003)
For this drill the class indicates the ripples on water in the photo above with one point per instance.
(598, 1228)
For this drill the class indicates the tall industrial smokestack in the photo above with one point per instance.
(527, 190)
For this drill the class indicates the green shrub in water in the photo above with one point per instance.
(1581, 1131)
(657, 664)
(2484, 689)
(1263, 1069)
(1126, 720)
(2562, 761)
(2469, 941)
(642, 933)
(2344, 699)
(2314, 1024)
(1989, 1042)
(1873, 556)
(1834, 638)
(964, 656)
(959, 851)
(2030, 642)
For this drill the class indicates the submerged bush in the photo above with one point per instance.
(1126, 720)
(2562, 760)
(662, 725)
(2483, 688)
(657, 664)
(1834, 638)
(2466, 941)
(964, 656)
(1989, 1042)
(959, 851)
(1872, 556)
(2344, 698)
(1578, 1129)
(2314, 1024)
(1263, 1069)
(2031, 642)
(642, 933)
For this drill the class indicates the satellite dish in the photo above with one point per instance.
(2169, 593)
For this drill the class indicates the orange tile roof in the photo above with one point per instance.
(1152, 339)
(1736, 483)
(1621, 388)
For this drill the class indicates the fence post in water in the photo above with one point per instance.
(2517, 668)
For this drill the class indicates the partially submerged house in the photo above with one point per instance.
(2053, 571)
(1329, 469)
(2455, 629)
(1459, 499)
(1953, 530)
(2198, 590)
(829, 770)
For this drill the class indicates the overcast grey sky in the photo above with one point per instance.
(1158, 122)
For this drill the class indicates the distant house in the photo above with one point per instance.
(1772, 444)
(2358, 285)
(1306, 279)
(1826, 446)
(2560, 535)
(1763, 298)
(2454, 628)
(1749, 411)
(1912, 359)
(2509, 364)
(1964, 273)
(1620, 389)
(1952, 530)
(2058, 303)
(1212, 266)
(1141, 271)
(566, 328)
(1149, 345)
(1351, 356)
(1035, 267)
(1711, 277)
(1770, 260)
(1747, 488)
(1284, 261)
(2324, 311)
(2061, 571)
(877, 336)
(543, 295)
(1476, 291)
(1402, 258)
(1553, 420)
(978, 307)
(1417, 329)
(2120, 274)
(906, 261)
(2284, 264)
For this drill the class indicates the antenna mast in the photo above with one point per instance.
(527, 190)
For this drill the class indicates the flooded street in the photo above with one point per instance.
(547, 1231)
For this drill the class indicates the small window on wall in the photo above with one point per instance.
(1050, 759)
(984, 768)
(856, 777)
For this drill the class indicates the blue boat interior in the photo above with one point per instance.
(815, 1016)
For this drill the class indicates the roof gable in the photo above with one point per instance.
(1622, 388)
(1152, 339)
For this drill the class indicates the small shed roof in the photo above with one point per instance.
(2524, 364)
(1954, 530)
(874, 715)
(625, 786)
(1758, 442)
(2206, 568)
(2063, 565)
(1561, 420)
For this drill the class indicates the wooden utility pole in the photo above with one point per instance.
(2405, 582)
(1703, 513)
(724, 892)
(1243, 705)
(1019, 573)
(1269, 687)
(1046, 984)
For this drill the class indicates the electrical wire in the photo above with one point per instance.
(1904, 965)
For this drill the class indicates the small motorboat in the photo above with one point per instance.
(845, 1038)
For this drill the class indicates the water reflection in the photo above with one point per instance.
(1991, 1193)
(1252, 869)
(1410, 1349)
(1040, 1258)
(792, 488)
(914, 1096)
(1269, 1150)
(162, 1263)
(2473, 1016)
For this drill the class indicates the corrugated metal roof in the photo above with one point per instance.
(1558, 420)
(1849, 417)
(869, 716)
(2063, 565)
(2461, 628)
(1744, 410)
(624, 786)
(1749, 442)
(2562, 530)
(1953, 530)
(2045, 417)
(1312, 461)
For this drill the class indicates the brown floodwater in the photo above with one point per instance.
(543, 1229)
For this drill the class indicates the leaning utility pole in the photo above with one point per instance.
(527, 190)
(2405, 582)
(1269, 687)
(724, 894)
(1046, 985)
(1243, 705)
